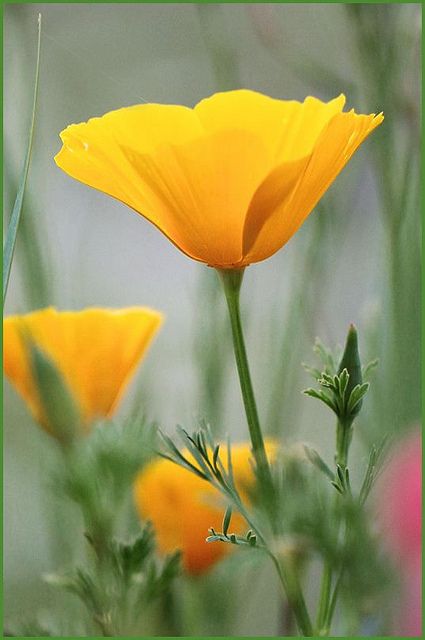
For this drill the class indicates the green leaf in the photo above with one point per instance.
(82, 584)
(178, 457)
(229, 460)
(325, 355)
(328, 380)
(347, 480)
(226, 520)
(356, 396)
(61, 410)
(12, 230)
(131, 557)
(194, 450)
(213, 538)
(215, 455)
(369, 367)
(171, 567)
(201, 444)
(158, 581)
(315, 373)
(337, 487)
(344, 378)
(340, 473)
(372, 469)
(320, 395)
(318, 462)
(252, 540)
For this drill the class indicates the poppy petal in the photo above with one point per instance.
(95, 350)
(274, 222)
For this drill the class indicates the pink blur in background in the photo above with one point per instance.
(399, 500)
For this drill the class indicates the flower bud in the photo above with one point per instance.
(351, 362)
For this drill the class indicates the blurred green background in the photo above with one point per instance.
(356, 259)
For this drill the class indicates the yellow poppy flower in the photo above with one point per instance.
(95, 350)
(182, 507)
(229, 181)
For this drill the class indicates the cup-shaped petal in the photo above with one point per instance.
(96, 351)
(291, 191)
(229, 181)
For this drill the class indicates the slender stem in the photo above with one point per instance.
(287, 623)
(332, 603)
(325, 594)
(328, 599)
(232, 280)
(292, 588)
(106, 631)
(12, 230)
(344, 433)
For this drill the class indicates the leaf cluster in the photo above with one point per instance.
(336, 395)
(342, 386)
(204, 460)
(249, 539)
(342, 480)
(130, 578)
(99, 469)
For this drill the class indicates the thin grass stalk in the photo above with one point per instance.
(12, 231)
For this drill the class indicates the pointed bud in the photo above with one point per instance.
(351, 362)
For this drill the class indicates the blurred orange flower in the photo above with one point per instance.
(95, 350)
(182, 506)
(229, 181)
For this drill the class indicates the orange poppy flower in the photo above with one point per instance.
(229, 181)
(183, 506)
(95, 350)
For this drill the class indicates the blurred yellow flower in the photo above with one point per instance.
(182, 506)
(95, 350)
(229, 181)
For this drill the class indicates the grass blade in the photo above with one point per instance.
(12, 230)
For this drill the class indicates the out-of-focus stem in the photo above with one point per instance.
(291, 585)
(9, 246)
(328, 599)
(332, 603)
(325, 594)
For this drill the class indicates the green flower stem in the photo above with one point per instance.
(291, 585)
(327, 603)
(232, 280)
(332, 603)
(324, 602)
(98, 533)
(344, 434)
